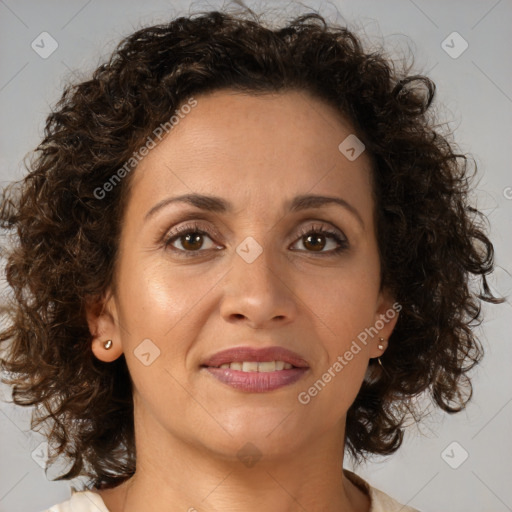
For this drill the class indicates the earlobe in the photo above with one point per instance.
(106, 350)
(105, 343)
(385, 321)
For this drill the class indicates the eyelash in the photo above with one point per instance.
(186, 229)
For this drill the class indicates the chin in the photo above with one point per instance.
(273, 431)
(248, 448)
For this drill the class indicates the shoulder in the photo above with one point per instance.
(80, 501)
(88, 501)
(380, 501)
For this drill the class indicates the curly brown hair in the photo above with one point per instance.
(432, 243)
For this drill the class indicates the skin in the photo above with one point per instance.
(257, 152)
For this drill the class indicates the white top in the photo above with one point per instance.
(89, 501)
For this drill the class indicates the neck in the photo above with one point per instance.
(307, 478)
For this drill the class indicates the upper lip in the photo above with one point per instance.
(240, 354)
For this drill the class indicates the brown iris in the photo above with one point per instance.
(317, 241)
(193, 241)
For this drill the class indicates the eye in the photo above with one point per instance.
(193, 239)
(317, 238)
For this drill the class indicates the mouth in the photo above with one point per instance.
(256, 370)
(255, 366)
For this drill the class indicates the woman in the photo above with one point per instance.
(241, 252)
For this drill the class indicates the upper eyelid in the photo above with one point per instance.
(193, 216)
(219, 205)
(191, 225)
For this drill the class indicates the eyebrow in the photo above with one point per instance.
(219, 205)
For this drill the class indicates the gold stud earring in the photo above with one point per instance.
(107, 344)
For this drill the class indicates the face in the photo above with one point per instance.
(254, 268)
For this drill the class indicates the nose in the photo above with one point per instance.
(258, 293)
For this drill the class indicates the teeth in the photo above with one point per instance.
(267, 367)
(250, 366)
(253, 366)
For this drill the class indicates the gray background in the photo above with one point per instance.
(474, 91)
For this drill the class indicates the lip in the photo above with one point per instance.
(256, 382)
(259, 355)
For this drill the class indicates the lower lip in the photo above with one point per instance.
(257, 382)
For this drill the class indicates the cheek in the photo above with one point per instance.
(156, 296)
(344, 315)
(343, 299)
(342, 306)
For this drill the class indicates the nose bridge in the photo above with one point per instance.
(255, 287)
(255, 263)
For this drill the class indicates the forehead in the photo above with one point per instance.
(254, 149)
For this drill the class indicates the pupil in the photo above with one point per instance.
(317, 241)
(191, 239)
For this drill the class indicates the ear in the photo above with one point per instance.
(386, 316)
(101, 317)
